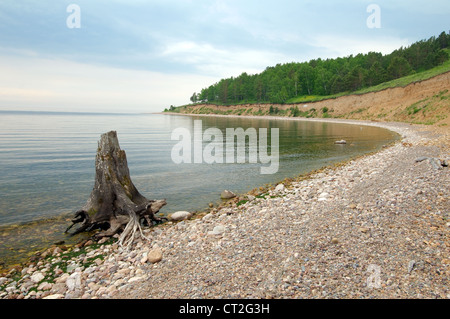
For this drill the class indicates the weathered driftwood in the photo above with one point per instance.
(115, 205)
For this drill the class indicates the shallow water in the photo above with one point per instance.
(47, 165)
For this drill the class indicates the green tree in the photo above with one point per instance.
(322, 85)
(376, 74)
(307, 78)
(194, 98)
(283, 95)
(323, 77)
(444, 40)
(295, 112)
(399, 67)
(354, 80)
(212, 95)
(222, 91)
(337, 85)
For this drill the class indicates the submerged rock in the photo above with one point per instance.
(226, 194)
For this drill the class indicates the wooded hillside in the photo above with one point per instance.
(283, 82)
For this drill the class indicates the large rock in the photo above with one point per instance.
(180, 216)
(226, 194)
(280, 188)
(37, 277)
(154, 255)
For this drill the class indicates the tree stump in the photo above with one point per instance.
(115, 205)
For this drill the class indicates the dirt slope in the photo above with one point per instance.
(425, 102)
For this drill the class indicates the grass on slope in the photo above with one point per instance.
(401, 82)
(417, 77)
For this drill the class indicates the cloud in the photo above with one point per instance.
(220, 62)
(334, 46)
(60, 85)
(142, 55)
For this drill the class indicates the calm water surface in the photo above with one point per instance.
(47, 165)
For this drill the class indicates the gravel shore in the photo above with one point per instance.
(375, 227)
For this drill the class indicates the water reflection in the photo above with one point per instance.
(47, 163)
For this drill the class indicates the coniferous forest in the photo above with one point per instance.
(282, 82)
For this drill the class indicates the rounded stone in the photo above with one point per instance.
(181, 215)
(154, 255)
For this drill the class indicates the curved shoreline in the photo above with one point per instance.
(386, 125)
(18, 254)
(313, 239)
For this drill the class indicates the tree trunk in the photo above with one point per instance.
(115, 204)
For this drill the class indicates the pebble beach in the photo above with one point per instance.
(375, 227)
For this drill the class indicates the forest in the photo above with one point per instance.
(280, 83)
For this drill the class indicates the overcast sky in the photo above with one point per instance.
(143, 56)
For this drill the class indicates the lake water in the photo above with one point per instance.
(47, 165)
